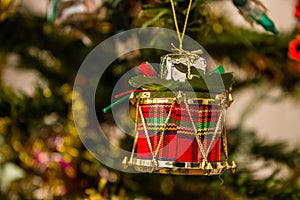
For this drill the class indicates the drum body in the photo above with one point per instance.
(180, 133)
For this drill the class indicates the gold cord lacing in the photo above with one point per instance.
(180, 37)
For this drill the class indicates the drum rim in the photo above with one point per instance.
(181, 168)
(167, 97)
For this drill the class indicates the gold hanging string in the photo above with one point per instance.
(180, 37)
(188, 53)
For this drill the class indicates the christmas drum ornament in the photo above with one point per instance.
(179, 130)
(180, 115)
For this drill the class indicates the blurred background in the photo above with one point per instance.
(42, 45)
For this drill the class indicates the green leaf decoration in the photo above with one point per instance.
(153, 83)
(204, 83)
(211, 83)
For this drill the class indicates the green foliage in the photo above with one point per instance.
(199, 83)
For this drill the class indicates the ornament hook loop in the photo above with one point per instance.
(185, 52)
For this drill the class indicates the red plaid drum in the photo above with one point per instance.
(183, 131)
(179, 142)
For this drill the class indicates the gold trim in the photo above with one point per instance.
(170, 100)
(180, 168)
(167, 97)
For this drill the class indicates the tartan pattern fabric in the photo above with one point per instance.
(188, 149)
(167, 150)
(179, 142)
